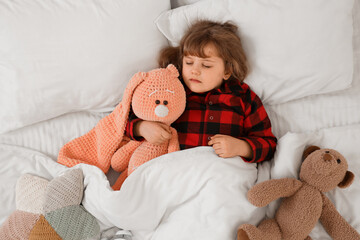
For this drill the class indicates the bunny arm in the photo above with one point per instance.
(336, 226)
(174, 141)
(263, 193)
(120, 159)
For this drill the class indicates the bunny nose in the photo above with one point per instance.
(327, 157)
(161, 111)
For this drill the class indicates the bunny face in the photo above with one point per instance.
(160, 97)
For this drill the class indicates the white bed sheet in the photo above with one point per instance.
(49, 136)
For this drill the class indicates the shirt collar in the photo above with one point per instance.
(228, 86)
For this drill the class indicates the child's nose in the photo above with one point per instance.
(195, 70)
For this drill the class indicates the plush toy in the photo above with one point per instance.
(304, 201)
(50, 210)
(157, 95)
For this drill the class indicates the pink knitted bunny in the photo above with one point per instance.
(160, 97)
(157, 95)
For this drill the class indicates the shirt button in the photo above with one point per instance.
(211, 117)
(210, 103)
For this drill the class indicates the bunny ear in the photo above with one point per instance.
(133, 83)
(98, 145)
(125, 104)
(173, 70)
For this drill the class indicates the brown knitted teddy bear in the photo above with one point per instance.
(304, 201)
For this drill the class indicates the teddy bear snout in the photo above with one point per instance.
(161, 111)
(327, 157)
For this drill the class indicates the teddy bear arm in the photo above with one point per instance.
(336, 226)
(174, 141)
(264, 193)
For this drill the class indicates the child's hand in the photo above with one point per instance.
(154, 132)
(226, 146)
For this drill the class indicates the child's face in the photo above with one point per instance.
(204, 74)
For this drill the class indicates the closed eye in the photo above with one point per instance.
(153, 92)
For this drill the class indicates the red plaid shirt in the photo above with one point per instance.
(233, 109)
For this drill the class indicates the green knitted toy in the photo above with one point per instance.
(50, 210)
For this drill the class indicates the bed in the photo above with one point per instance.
(64, 65)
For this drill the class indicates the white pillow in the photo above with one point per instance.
(65, 56)
(295, 48)
(179, 3)
(287, 162)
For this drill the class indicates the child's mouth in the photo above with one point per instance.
(194, 80)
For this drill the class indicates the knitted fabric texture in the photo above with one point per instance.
(72, 222)
(304, 202)
(157, 95)
(63, 191)
(30, 194)
(59, 214)
(18, 225)
(43, 231)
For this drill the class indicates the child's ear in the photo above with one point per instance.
(228, 71)
(227, 75)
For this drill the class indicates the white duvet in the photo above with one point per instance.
(190, 194)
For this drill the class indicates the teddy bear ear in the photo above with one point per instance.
(173, 70)
(347, 181)
(309, 150)
(140, 76)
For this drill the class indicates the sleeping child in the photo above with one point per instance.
(221, 110)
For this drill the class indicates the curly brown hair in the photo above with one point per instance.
(222, 35)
